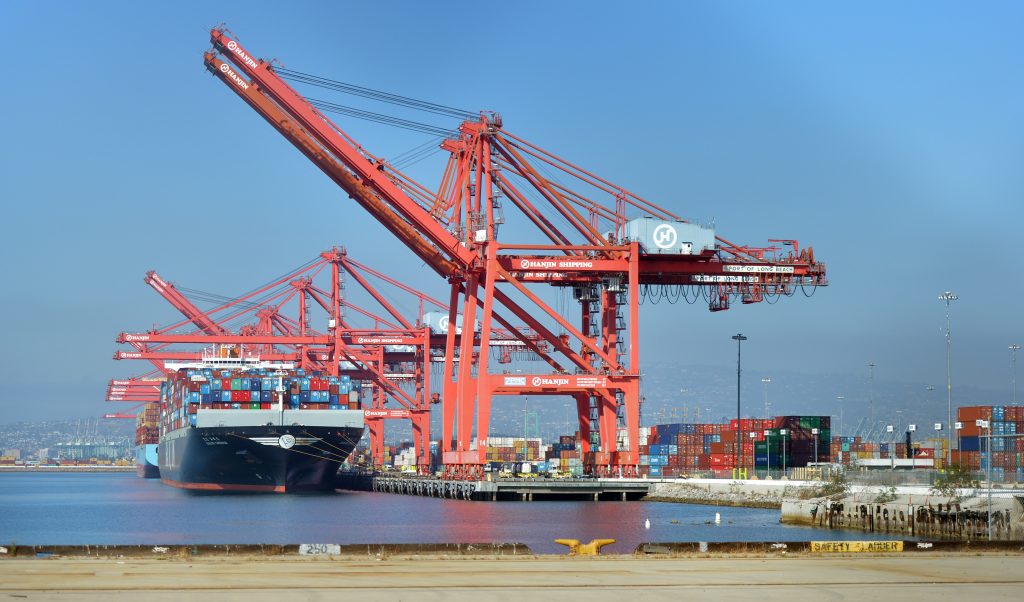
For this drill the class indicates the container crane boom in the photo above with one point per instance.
(609, 262)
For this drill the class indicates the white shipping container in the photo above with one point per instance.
(669, 237)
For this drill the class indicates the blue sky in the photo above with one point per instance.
(887, 136)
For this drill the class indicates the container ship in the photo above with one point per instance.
(147, 435)
(256, 428)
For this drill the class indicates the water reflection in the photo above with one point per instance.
(121, 508)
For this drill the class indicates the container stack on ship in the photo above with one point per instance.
(253, 428)
(147, 435)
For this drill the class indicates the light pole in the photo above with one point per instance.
(948, 297)
(753, 459)
(840, 399)
(739, 338)
(783, 433)
(871, 395)
(1013, 369)
(985, 424)
(928, 397)
(892, 449)
(815, 432)
(768, 446)
(767, 381)
(959, 425)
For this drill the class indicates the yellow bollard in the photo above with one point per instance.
(584, 549)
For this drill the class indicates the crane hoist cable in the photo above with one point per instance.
(207, 297)
(430, 144)
(378, 95)
(414, 159)
(294, 272)
(405, 124)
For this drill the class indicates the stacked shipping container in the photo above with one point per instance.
(187, 390)
(1007, 450)
(669, 450)
(147, 424)
(564, 456)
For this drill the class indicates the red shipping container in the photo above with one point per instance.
(970, 429)
(721, 460)
(968, 414)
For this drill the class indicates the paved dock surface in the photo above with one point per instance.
(917, 577)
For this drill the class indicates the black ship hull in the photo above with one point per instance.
(255, 458)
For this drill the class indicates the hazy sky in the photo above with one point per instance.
(888, 136)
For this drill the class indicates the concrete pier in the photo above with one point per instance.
(526, 490)
(914, 514)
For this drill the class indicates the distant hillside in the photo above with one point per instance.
(33, 436)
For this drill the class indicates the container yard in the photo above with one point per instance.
(991, 432)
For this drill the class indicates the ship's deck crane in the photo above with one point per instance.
(455, 231)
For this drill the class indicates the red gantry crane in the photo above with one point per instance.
(577, 235)
(394, 356)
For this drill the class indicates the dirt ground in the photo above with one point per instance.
(908, 577)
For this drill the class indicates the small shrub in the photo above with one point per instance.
(886, 495)
(953, 481)
(836, 487)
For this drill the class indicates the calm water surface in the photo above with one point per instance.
(116, 508)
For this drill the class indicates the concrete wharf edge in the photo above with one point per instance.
(478, 550)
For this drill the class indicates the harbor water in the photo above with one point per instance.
(120, 508)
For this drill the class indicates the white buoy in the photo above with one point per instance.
(647, 523)
(718, 518)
